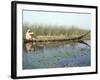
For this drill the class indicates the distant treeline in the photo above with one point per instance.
(49, 30)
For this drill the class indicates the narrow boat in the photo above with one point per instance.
(56, 39)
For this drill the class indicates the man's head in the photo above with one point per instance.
(28, 30)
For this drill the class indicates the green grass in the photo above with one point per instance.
(49, 30)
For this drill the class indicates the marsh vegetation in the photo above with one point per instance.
(54, 31)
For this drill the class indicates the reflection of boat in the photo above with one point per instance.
(84, 43)
(56, 39)
(39, 46)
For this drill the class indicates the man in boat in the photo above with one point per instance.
(29, 35)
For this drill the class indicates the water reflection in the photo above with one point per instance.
(34, 46)
(29, 47)
(84, 43)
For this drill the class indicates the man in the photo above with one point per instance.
(28, 35)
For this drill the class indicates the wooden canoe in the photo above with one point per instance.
(56, 40)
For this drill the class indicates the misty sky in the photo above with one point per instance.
(80, 20)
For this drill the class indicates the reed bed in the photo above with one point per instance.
(43, 31)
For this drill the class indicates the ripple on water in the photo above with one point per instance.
(74, 55)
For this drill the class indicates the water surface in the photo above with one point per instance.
(56, 55)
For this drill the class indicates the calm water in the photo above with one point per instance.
(56, 55)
